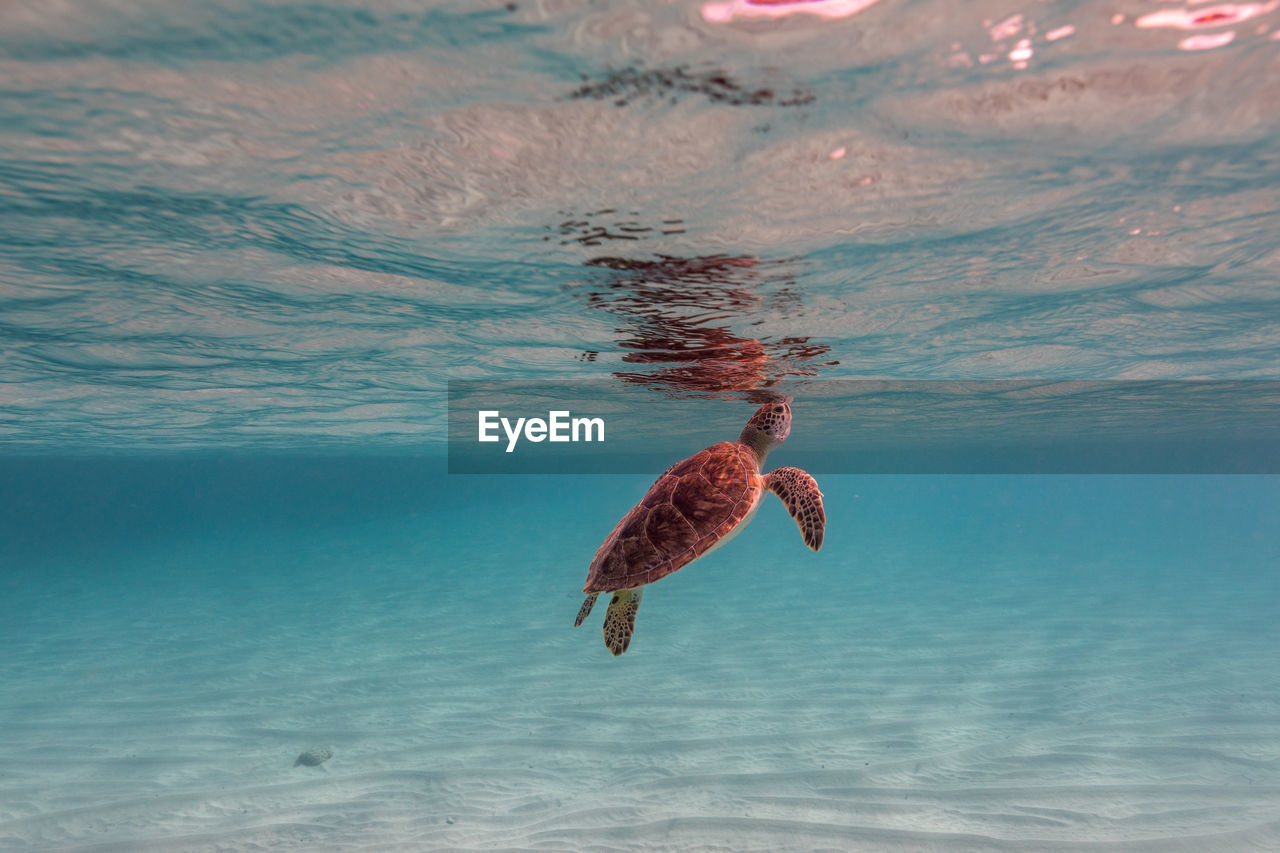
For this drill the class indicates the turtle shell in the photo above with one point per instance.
(693, 506)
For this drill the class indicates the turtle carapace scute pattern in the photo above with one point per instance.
(696, 506)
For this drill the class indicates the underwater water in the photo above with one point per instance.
(260, 259)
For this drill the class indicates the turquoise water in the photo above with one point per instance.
(249, 245)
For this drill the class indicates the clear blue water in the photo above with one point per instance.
(248, 245)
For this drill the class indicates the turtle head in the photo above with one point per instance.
(768, 427)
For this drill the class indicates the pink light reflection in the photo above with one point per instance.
(1214, 16)
(1008, 27)
(1060, 33)
(723, 12)
(1206, 41)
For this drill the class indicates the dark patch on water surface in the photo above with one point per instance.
(629, 84)
(597, 227)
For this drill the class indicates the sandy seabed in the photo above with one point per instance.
(158, 700)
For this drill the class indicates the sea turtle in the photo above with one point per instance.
(695, 507)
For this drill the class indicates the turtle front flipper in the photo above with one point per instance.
(620, 619)
(800, 493)
(586, 608)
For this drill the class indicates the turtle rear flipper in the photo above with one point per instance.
(799, 492)
(585, 609)
(620, 619)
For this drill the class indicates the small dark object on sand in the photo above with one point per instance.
(314, 757)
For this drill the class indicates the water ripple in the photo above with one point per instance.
(257, 217)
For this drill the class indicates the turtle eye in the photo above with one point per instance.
(777, 410)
